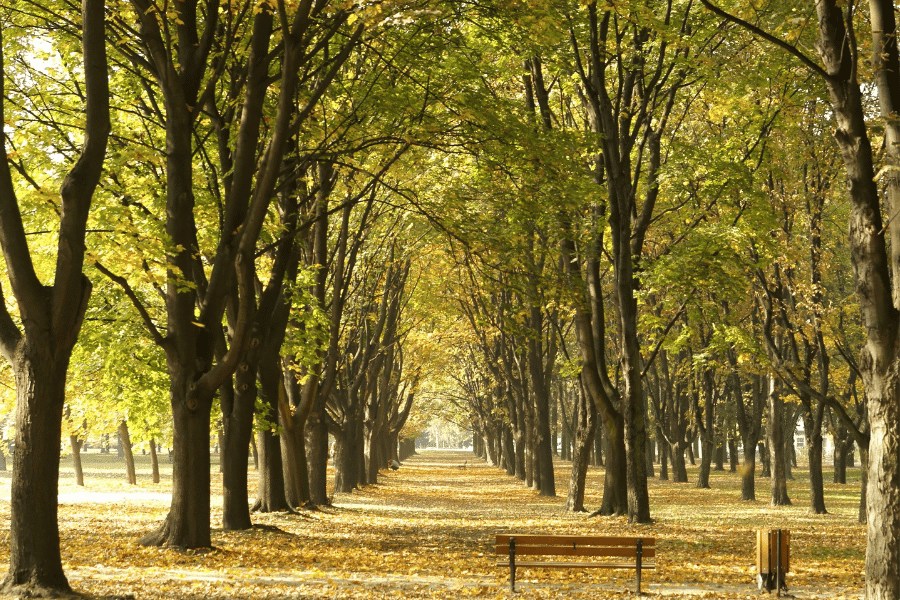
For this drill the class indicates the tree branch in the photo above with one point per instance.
(808, 62)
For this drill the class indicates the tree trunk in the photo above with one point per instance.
(664, 453)
(766, 458)
(154, 461)
(615, 491)
(679, 465)
(586, 413)
(238, 403)
(816, 483)
(732, 455)
(76, 459)
(719, 456)
(864, 482)
(346, 458)
(317, 458)
(776, 444)
(125, 439)
(293, 452)
(35, 562)
(705, 462)
(270, 487)
(509, 451)
(187, 524)
(813, 436)
(748, 468)
(839, 460)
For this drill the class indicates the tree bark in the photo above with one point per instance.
(776, 443)
(154, 461)
(316, 440)
(238, 403)
(51, 318)
(76, 443)
(125, 439)
(187, 524)
(586, 413)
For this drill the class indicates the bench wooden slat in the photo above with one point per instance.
(574, 565)
(529, 549)
(566, 540)
(574, 545)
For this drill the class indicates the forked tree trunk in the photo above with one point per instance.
(586, 413)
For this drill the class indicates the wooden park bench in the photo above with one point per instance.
(621, 552)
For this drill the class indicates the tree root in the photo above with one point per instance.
(31, 590)
(158, 537)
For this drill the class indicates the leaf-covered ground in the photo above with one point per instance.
(426, 531)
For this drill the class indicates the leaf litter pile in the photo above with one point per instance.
(426, 531)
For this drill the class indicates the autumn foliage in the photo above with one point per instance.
(426, 531)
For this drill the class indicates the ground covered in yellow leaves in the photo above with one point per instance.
(426, 531)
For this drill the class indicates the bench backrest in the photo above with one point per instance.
(575, 545)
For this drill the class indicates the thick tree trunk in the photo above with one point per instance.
(35, 564)
(864, 482)
(187, 524)
(75, 443)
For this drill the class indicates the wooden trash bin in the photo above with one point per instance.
(772, 559)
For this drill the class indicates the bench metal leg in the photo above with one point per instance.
(638, 552)
(512, 564)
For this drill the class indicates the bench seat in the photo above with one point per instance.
(641, 551)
